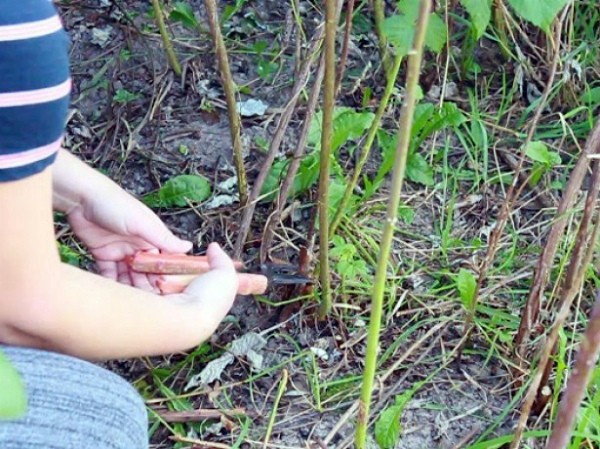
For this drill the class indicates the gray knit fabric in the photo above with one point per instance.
(73, 404)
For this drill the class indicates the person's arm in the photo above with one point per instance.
(47, 304)
(110, 222)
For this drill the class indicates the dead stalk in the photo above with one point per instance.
(511, 195)
(296, 158)
(282, 126)
(288, 181)
(532, 306)
(235, 124)
(578, 381)
(568, 293)
(345, 45)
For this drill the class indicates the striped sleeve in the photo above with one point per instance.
(34, 87)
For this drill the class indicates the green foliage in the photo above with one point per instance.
(541, 13)
(588, 418)
(13, 398)
(539, 152)
(480, 12)
(591, 97)
(466, 284)
(348, 125)
(387, 427)
(399, 29)
(184, 13)
(123, 96)
(349, 264)
(544, 159)
(180, 190)
(428, 119)
(230, 10)
(68, 255)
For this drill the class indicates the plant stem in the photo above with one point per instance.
(296, 158)
(280, 391)
(235, 124)
(414, 67)
(326, 136)
(345, 46)
(385, 99)
(164, 34)
(379, 13)
(278, 136)
(578, 264)
(580, 377)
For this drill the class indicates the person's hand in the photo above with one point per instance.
(216, 289)
(113, 225)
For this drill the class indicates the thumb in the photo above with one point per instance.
(218, 259)
(158, 235)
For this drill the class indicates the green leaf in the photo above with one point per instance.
(466, 284)
(179, 190)
(69, 256)
(539, 152)
(419, 170)
(123, 96)
(480, 12)
(348, 124)
(13, 398)
(437, 33)
(399, 29)
(307, 176)
(591, 97)
(184, 13)
(387, 427)
(541, 13)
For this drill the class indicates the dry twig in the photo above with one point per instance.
(569, 290)
(578, 382)
(532, 306)
(511, 195)
(282, 126)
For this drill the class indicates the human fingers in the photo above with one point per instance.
(152, 230)
(218, 287)
(108, 269)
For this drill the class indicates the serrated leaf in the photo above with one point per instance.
(437, 33)
(13, 398)
(399, 29)
(466, 284)
(307, 176)
(480, 12)
(348, 124)
(539, 152)
(541, 13)
(178, 191)
(419, 170)
(184, 13)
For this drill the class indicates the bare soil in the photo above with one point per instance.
(168, 129)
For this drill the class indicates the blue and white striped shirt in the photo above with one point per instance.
(34, 86)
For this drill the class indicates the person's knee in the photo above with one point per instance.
(74, 404)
